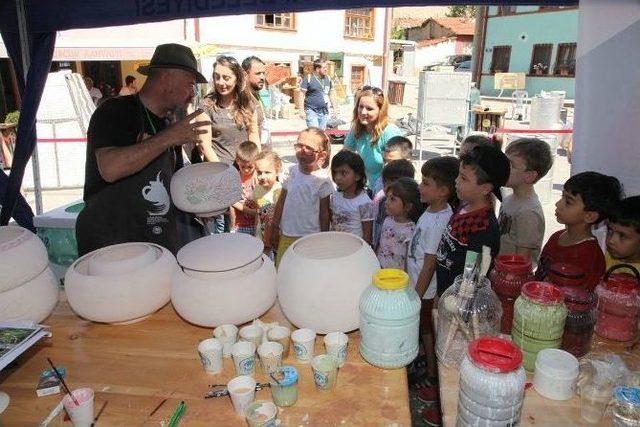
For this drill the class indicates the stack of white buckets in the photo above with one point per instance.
(545, 114)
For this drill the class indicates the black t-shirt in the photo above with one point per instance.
(317, 93)
(137, 207)
(468, 231)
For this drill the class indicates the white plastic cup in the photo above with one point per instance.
(303, 344)
(244, 357)
(593, 402)
(82, 414)
(252, 333)
(210, 351)
(281, 334)
(228, 335)
(325, 371)
(270, 356)
(336, 345)
(261, 413)
(242, 390)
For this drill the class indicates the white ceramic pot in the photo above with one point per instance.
(33, 300)
(114, 260)
(225, 278)
(320, 280)
(120, 297)
(23, 256)
(206, 189)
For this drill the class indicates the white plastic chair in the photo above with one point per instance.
(519, 105)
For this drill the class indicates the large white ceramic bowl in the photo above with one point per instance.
(114, 296)
(23, 256)
(320, 280)
(225, 278)
(33, 300)
(206, 189)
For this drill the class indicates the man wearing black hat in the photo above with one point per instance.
(132, 152)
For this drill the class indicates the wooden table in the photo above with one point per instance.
(486, 119)
(134, 367)
(537, 410)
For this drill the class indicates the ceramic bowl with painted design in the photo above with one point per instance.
(320, 280)
(121, 283)
(223, 278)
(206, 189)
(23, 256)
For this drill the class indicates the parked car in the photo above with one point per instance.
(451, 61)
(463, 66)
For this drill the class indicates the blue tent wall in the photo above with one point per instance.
(45, 17)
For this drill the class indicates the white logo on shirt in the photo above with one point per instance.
(157, 195)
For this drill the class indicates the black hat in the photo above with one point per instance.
(172, 55)
(495, 164)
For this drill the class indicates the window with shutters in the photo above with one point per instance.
(276, 21)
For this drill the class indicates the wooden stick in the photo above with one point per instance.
(63, 383)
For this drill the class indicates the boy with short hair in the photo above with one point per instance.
(587, 199)
(481, 174)
(243, 215)
(390, 173)
(396, 148)
(623, 234)
(521, 216)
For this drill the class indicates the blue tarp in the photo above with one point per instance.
(45, 17)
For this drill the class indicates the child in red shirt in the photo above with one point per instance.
(587, 199)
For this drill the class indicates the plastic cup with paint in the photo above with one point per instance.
(228, 335)
(281, 334)
(261, 413)
(242, 390)
(210, 351)
(244, 357)
(82, 414)
(270, 356)
(303, 344)
(325, 371)
(252, 333)
(336, 344)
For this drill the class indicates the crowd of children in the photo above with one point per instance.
(427, 228)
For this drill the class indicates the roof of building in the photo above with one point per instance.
(404, 23)
(458, 26)
(431, 42)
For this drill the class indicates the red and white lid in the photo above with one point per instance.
(543, 293)
(495, 354)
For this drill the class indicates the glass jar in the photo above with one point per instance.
(491, 383)
(508, 275)
(285, 390)
(538, 320)
(389, 320)
(581, 318)
(626, 408)
(463, 318)
(618, 304)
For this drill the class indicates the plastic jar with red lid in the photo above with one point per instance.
(618, 304)
(492, 383)
(509, 273)
(581, 319)
(538, 320)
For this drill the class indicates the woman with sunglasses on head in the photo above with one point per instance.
(232, 112)
(370, 130)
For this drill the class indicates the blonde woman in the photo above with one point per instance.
(370, 130)
(232, 112)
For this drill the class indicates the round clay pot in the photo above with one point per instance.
(320, 280)
(33, 300)
(206, 189)
(116, 296)
(23, 256)
(116, 260)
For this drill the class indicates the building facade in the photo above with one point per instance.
(539, 41)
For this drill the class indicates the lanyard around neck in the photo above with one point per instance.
(322, 83)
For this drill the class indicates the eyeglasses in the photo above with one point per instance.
(375, 90)
(305, 148)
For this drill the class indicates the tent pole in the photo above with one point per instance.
(26, 63)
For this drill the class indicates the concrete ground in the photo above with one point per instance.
(283, 145)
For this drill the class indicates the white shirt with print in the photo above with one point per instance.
(348, 214)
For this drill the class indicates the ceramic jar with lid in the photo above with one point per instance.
(462, 319)
(223, 278)
(509, 273)
(491, 384)
(538, 320)
(618, 304)
(389, 320)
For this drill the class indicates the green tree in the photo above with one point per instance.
(398, 33)
(462, 11)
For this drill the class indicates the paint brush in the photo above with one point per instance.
(275, 379)
(157, 407)
(95, 420)
(64, 384)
